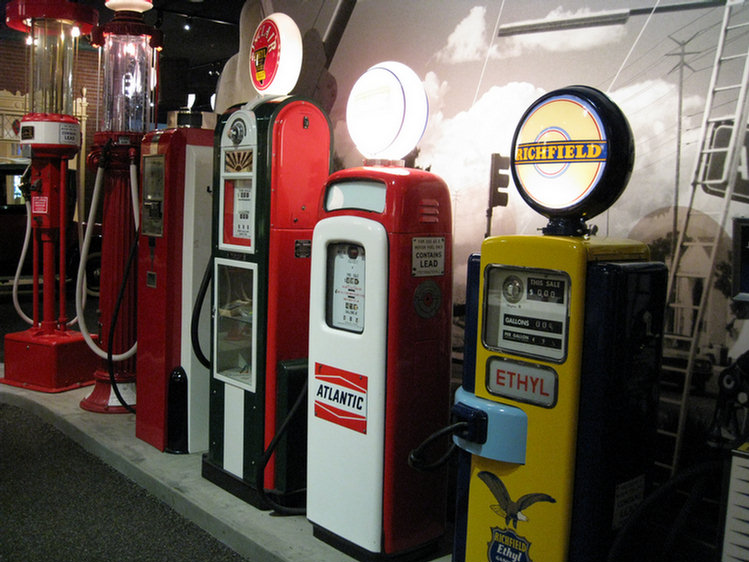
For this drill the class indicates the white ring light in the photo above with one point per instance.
(129, 5)
(387, 111)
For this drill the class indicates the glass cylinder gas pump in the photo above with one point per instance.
(128, 73)
(48, 356)
(130, 54)
(53, 47)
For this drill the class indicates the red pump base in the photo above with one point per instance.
(48, 362)
(103, 399)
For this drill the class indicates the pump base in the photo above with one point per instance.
(48, 362)
(103, 399)
(232, 484)
(246, 492)
(364, 555)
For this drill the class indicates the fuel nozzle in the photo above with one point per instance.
(26, 186)
(481, 427)
(492, 430)
(467, 423)
(476, 422)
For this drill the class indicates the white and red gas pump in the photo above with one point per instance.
(129, 68)
(379, 332)
(48, 356)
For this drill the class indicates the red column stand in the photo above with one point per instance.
(118, 234)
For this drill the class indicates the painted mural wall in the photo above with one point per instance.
(656, 66)
(479, 84)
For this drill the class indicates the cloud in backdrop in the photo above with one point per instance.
(459, 148)
(469, 41)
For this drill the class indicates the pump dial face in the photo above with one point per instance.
(237, 131)
(512, 289)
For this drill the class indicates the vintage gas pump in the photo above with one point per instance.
(561, 406)
(380, 325)
(175, 243)
(271, 158)
(129, 70)
(48, 356)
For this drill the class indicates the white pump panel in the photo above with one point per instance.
(347, 366)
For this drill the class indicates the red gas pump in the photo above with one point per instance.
(130, 55)
(48, 356)
(175, 242)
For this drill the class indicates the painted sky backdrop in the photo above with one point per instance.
(479, 85)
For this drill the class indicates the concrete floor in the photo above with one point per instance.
(176, 480)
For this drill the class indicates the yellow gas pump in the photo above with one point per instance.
(567, 351)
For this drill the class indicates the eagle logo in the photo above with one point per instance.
(512, 510)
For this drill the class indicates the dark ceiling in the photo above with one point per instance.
(214, 27)
(191, 59)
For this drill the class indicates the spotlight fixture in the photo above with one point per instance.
(188, 24)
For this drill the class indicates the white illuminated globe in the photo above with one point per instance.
(387, 111)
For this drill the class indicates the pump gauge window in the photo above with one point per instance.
(152, 216)
(572, 154)
(345, 292)
(526, 312)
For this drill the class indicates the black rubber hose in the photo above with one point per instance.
(416, 457)
(195, 320)
(113, 324)
(260, 474)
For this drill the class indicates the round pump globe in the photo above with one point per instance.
(276, 55)
(387, 111)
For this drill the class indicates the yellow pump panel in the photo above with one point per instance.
(523, 511)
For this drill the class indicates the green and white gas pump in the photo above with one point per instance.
(271, 160)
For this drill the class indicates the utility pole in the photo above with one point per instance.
(682, 53)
